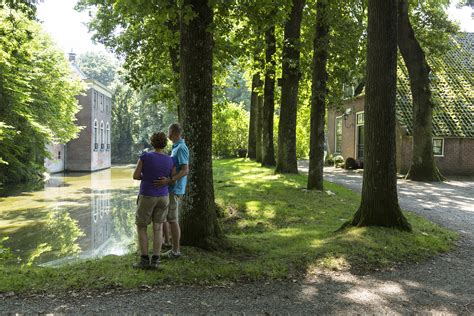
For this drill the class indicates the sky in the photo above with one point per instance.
(68, 27)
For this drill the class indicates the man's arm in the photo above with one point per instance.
(167, 181)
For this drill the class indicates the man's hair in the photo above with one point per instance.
(159, 140)
(176, 128)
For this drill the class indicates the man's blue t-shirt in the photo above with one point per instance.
(180, 155)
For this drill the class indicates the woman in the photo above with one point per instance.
(152, 201)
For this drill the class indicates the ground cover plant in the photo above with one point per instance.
(275, 228)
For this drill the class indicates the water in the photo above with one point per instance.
(70, 216)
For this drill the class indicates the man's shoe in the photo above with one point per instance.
(155, 263)
(171, 254)
(144, 263)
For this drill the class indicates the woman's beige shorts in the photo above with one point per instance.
(151, 208)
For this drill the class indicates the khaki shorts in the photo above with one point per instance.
(151, 208)
(173, 214)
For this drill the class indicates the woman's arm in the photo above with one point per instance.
(137, 174)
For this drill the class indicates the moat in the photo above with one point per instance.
(70, 216)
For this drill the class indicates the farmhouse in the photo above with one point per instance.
(452, 80)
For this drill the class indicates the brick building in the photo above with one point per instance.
(453, 115)
(91, 150)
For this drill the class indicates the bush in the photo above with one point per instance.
(230, 123)
(350, 163)
(330, 160)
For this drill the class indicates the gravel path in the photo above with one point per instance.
(444, 284)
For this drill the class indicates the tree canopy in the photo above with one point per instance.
(37, 97)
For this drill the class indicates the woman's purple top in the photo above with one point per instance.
(155, 166)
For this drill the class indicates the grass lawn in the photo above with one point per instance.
(277, 229)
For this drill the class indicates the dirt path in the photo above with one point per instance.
(444, 284)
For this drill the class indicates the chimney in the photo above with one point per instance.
(72, 57)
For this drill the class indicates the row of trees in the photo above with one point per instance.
(184, 48)
(37, 95)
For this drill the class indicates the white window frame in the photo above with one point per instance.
(356, 150)
(335, 134)
(95, 100)
(107, 136)
(442, 146)
(101, 102)
(102, 147)
(95, 136)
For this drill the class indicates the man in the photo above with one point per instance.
(177, 186)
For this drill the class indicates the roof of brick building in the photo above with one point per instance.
(452, 89)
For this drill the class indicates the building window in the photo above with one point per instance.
(96, 145)
(59, 154)
(101, 102)
(107, 135)
(338, 135)
(360, 136)
(101, 135)
(360, 118)
(94, 101)
(438, 147)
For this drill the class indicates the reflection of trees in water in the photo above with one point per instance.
(104, 224)
(60, 236)
(122, 209)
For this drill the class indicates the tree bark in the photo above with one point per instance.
(258, 126)
(252, 143)
(268, 152)
(287, 162)
(318, 97)
(174, 27)
(423, 166)
(200, 226)
(379, 203)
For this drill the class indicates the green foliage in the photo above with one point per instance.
(230, 129)
(136, 115)
(98, 66)
(5, 252)
(37, 94)
(275, 229)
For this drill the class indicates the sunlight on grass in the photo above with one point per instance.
(276, 229)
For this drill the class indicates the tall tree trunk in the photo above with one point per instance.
(318, 97)
(200, 226)
(286, 162)
(173, 27)
(423, 166)
(379, 204)
(268, 152)
(252, 143)
(258, 126)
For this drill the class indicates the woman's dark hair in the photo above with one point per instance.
(159, 140)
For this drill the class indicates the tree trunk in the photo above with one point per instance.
(287, 162)
(268, 152)
(252, 143)
(379, 203)
(173, 27)
(423, 166)
(200, 226)
(318, 97)
(258, 126)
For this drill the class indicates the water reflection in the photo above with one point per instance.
(73, 216)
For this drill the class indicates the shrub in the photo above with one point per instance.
(330, 160)
(350, 163)
(230, 129)
(338, 161)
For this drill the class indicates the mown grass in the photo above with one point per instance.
(276, 229)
